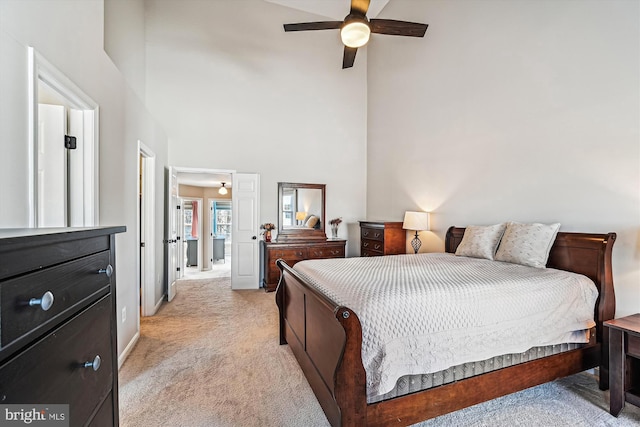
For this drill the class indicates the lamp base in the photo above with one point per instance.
(416, 243)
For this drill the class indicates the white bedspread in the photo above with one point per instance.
(424, 313)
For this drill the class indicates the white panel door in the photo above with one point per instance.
(52, 166)
(171, 232)
(244, 245)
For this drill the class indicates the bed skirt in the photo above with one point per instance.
(412, 383)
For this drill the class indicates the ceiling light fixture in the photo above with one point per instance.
(223, 189)
(355, 32)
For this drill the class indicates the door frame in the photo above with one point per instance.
(183, 265)
(179, 169)
(41, 70)
(145, 231)
(212, 201)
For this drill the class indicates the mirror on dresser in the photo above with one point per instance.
(301, 214)
(301, 235)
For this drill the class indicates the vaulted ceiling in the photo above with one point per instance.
(335, 9)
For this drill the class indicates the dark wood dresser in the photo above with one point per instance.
(58, 342)
(382, 238)
(292, 252)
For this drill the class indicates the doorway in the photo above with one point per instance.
(206, 199)
(245, 198)
(63, 131)
(146, 262)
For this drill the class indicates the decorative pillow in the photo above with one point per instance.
(481, 241)
(311, 222)
(527, 244)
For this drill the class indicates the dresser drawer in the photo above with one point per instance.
(372, 246)
(104, 416)
(364, 252)
(326, 252)
(289, 254)
(372, 233)
(73, 285)
(52, 371)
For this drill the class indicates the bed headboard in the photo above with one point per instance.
(582, 253)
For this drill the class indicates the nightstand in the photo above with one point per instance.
(382, 238)
(624, 362)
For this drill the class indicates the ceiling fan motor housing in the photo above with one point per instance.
(355, 30)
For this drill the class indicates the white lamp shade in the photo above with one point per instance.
(355, 34)
(223, 189)
(417, 221)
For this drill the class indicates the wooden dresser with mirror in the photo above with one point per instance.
(301, 231)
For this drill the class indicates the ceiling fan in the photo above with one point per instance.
(355, 29)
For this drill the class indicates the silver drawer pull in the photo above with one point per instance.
(95, 364)
(108, 271)
(45, 302)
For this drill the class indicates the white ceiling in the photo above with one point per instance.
(201, 179)
(335, 9)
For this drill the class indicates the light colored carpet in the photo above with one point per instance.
(211, 358)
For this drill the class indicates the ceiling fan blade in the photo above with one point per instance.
(397, 28)
(359, 7)
(307, 26)
(348, 57)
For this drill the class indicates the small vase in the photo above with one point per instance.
(267, 235)
(334, 231)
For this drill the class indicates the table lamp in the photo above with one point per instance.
(417, 221)
(300, 216)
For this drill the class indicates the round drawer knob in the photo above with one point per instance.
(95, 365)
(108, 271)
(45, 302)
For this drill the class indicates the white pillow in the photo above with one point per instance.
(527, 244)
(481, 241)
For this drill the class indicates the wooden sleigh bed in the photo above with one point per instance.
(326, 339)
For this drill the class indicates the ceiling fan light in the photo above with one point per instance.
(223, 189)
(355, 33)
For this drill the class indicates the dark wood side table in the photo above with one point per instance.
(379, 238)
(624, 362)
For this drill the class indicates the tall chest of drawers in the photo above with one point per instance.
(382, 238)
(58, 342)
(292, 252)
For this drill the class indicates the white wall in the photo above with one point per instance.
(124, 40)
(69, 34)
(234, 91)
(520, 110)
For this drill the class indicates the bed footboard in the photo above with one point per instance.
(326, 340)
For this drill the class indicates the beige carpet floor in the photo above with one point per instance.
(211, 358)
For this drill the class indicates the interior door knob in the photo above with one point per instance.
(254, 237)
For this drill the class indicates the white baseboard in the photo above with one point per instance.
(127, 349)
(157, 307)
